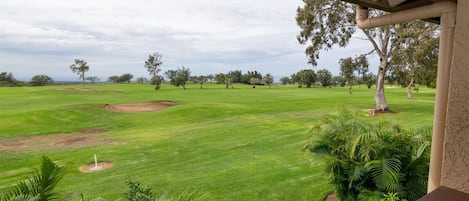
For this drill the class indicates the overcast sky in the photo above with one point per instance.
(116, 37)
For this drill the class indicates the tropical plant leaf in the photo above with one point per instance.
(368, 195)
(386, 173)
(40, 187)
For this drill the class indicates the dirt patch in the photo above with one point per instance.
(331, 197)
(374, 112)
(140, 107)
(83, 138)
(93, 168)
(87, 90)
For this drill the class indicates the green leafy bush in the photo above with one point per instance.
(366, 159)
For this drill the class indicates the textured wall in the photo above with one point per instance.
(455, 173)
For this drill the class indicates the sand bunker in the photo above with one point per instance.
(140, 107)
(83, 138)
(92, 167)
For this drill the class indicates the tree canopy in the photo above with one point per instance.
(305, 77)
(80, 67)
(325, 77)
(8, 80)
(41, 80)
(152, 64)
(268, 79)
(179, 77)
(327, 23)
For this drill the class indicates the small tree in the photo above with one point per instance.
(80, 67)
(347, 68)
(246, 78)
(369, 79)
(142, 80)
(152, 64)
(8, 80)
(362, 68)
(210, 77)
(255, 81)
(226, 79)
(113, 79)
(268, 79)
(285, 80)
(325, 77)
(305, 77)
(340, 80)
(200, 80)
(125, 78)
(179, 77)
(41, 80)
(92, 79)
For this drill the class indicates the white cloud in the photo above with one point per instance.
(115, 37)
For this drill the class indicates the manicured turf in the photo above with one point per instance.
(236, 144)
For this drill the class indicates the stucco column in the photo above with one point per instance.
(455, 172)
(445, 55)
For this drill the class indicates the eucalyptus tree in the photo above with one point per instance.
(126, 78)
(152, 64)
(285, 80)
(41, 80)
(179, 77)
(417, 58)
(8, 80)
(247, 77)
(362, 68)
(325, 77)
(347, 69)
(339, 80)
(80, 67)
(142, 80)
(92, 79)
(222, 78)
(305, 77)
(325, 24)
(201, 79)
(268, 79)
(113, 79)
(210, 77)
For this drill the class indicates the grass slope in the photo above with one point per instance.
(236, 144)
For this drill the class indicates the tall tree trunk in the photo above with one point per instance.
(350, 89)
(380, 98)
(409, 89)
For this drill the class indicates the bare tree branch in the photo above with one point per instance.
(373, 42)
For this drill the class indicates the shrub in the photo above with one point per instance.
(366, 160)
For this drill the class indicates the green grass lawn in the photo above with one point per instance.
(235, 144)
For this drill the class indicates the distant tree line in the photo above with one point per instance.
(8, 80)
(405, 71)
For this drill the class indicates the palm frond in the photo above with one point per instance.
(40, 187)
(386, 173)
(368, 195)
(356, 174)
